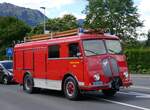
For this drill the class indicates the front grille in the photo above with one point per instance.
(112, 70)
(106, 68)
(115, 68)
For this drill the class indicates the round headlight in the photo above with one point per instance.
(126, 74)
(96, 77)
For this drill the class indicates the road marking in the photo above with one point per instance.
(140, 87)
(133, 93)
(145, 97)
(137, 94)
(141, 95)
(140, 76)
(125, 104)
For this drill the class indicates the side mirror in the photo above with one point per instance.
(78, 54)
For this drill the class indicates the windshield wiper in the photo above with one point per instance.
(114, 51)
(92, 52)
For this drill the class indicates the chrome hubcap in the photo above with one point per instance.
(28, 84)
(70, 88)
(5, 80)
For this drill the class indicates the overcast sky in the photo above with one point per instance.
(57, 8)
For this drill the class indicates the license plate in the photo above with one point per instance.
(97, 83)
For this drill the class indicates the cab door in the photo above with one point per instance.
(75, 61)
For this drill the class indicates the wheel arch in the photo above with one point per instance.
(26, 73)
(2, 78)
(66, 76)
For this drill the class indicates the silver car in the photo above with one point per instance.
(6, 71)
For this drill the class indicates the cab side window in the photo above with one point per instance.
(74, 50)
(53, 51)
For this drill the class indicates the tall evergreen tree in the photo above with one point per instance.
(118, 17)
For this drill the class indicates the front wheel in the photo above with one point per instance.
(28, 85)
(70, 89)
(5, 80)
(109, 92)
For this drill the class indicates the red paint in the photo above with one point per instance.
(32, 57)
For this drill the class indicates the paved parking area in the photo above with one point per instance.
(136, 97)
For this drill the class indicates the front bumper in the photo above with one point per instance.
(104, 86)
(127, 83)
(95, 87)
(11, 79)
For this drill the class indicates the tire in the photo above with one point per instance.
(5, 80)
(28, 84)
(70, 88)
(109, 92)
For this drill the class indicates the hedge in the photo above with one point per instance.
(139, 60)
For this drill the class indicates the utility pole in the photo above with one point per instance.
(44, 28)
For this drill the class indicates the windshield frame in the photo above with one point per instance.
(104, 41)
(121, 53)
(93, 52)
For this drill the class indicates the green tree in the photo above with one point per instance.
(11, 29)
(118, 17)
(70, 22)
(67, 22)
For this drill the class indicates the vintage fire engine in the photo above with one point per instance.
(73, 62)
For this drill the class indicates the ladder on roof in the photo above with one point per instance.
(52, 35)
(61, 34)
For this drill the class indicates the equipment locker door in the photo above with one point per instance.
(18, 65)
(40, 63)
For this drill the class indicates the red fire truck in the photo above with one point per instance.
(73, 62)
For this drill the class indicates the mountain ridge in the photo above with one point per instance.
(32, 17)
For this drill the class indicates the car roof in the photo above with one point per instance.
(5, 61)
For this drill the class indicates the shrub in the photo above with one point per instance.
(138, 60)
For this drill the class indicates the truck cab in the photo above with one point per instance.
(105, 64)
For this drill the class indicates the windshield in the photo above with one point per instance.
(94, 47)
(7, 65)
(97, 47)
(113, 46)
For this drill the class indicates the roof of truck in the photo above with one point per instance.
(79, 36)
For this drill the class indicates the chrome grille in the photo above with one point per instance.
(106, 68)
(108, 71)
(114, 65)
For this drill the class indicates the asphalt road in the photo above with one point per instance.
(136, 97)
